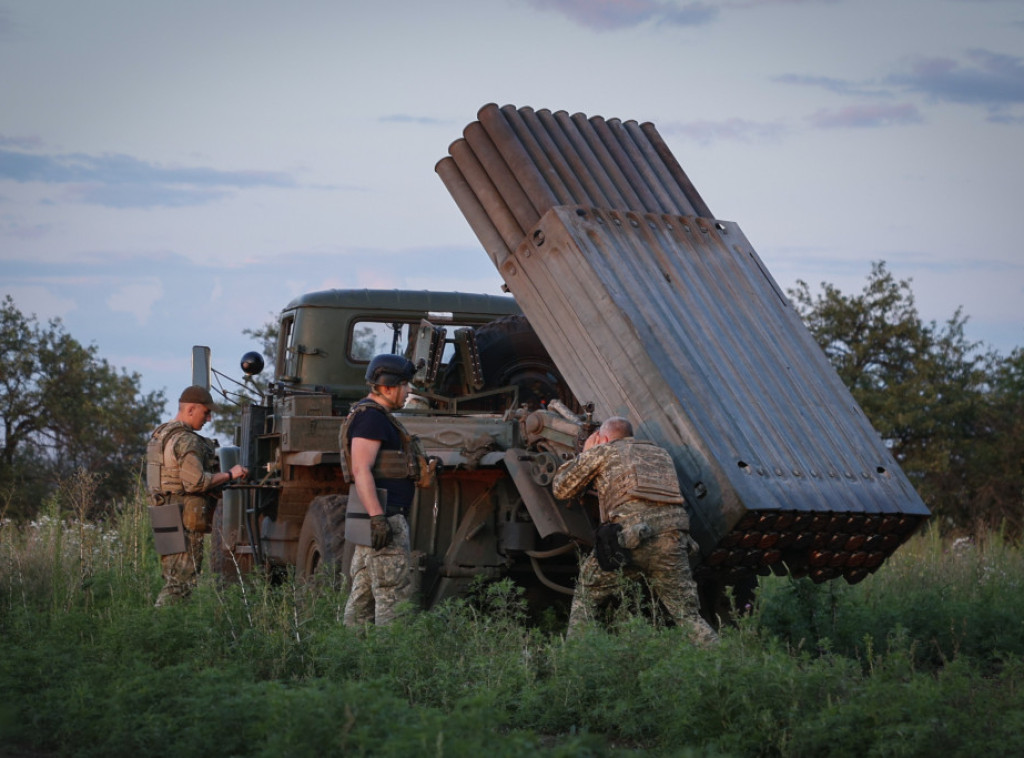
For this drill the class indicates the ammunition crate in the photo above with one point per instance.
(304, 405)
(299, 433)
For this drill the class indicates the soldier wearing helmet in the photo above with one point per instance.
(182, 477)
(644, 529)
(381, 462)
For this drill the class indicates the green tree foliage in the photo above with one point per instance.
(64, 409)
(266, 336)
(942, 404)
(999, 446)
(252, 389)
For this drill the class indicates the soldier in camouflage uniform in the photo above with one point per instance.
(182, 470)
(643, 521)
(379, 455)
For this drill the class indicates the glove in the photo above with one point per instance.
(380, 532)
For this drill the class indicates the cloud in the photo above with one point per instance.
(734, 129)
(121, 181)
(993, 80)
(604, 15)
(24, 143)
(837, 86)
(11, 227)
(137, 299)
(40, 301)
(762, 3)
(866, 116)
(405, 118)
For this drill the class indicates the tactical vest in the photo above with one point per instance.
(156, 470)
(645, 472)
(163, 476)
(407, 463)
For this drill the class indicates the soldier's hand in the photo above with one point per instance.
(380, 532)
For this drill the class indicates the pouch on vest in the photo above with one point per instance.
(608, 550)
(168, 529)
(633, 535)
(195, 515)
(428, 471)
(357, 520)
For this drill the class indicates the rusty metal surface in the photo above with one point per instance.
(653, 310)
(674, 322)
(513, 165)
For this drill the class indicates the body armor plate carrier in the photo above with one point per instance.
(408, 463)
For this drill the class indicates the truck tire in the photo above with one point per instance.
(511, 353)
(321, 548)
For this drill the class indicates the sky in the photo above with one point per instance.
(173, 173)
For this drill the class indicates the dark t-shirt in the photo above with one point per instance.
(374, 425)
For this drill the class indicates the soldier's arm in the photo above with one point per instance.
(194, 478)
(364, 454)
(573, 476)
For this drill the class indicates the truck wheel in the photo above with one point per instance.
(321, 547)
(511, 353)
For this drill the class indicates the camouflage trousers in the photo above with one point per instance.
(381, 579)
(663, 561)
(181, 570)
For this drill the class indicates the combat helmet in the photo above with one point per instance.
(389, 370)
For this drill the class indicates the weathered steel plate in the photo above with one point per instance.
(654, 310)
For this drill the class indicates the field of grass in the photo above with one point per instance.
(924, 658)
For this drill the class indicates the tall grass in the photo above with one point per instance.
(922, 658)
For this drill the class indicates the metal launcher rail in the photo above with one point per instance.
(652, 308)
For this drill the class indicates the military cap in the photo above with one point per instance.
(198, 395)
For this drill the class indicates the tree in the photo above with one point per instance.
(62, 408)
(999, 448)
(926, 389)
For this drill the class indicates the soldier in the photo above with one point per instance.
(182, 472)
(382, 463)
(644, 527)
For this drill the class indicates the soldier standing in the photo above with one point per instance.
(644, 527)
(383, 467)
(182, 472)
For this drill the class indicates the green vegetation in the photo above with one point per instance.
(62, 409)
(925, 657)
(952, 413)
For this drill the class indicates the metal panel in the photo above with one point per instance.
(652, 309)
(674, 322)
(513, 165)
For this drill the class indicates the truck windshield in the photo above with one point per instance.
(370, 338)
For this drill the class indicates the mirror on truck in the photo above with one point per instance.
(201, 366)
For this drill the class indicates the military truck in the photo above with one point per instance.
(629, 298)
(488, 405)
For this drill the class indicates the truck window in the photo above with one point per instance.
(370, 338)
(286, 357)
